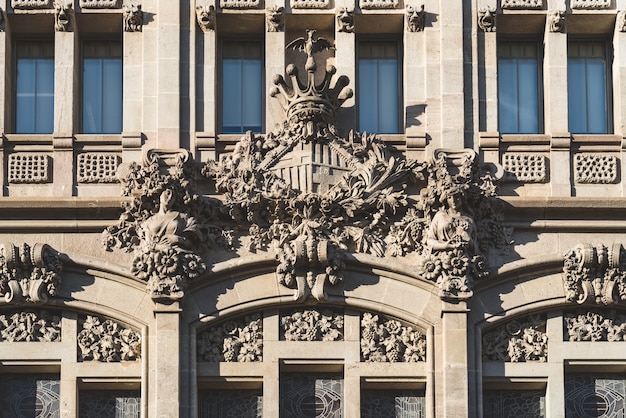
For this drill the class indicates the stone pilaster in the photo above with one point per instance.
(274, 64)
(414, 84)
(345, 57)
(455, 389)
(166, 361)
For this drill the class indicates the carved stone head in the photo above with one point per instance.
(62, 16)
(487, 19)
(345, 20)
(556, 20)
(133, 17)
(205, 15)
(415, 18)
(275, 21)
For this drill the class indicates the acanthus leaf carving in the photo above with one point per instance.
(517, 341)
(27, 325)
(29, 274)
(239, 340)
(388, 340)
(105, 340)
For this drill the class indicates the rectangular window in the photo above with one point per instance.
(514, 403)
(242, 86)
(34, 88)
(102, 87)
(595, 395)
(588, 95)
(519, 99)
(109, 403)
(306, 395)
(25, 395)
(392, 403)
(242, 403)
(379, 92)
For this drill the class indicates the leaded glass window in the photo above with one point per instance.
(236, 403)
(392, 404)
(599, 396)
(109, 404)
(34, 88)
(30, 396)
(514, 403)
(311, 396)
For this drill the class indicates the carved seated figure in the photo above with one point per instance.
(450, 228)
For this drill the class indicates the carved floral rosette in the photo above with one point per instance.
(312, 325)
(517, 341)
(105, 340)
(29, 274)
(238, 340)
(595, 274)
(596, 325)
(388, 340)
(30, 325)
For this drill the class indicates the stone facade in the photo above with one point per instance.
(173, 268)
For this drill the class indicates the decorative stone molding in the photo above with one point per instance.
(206, 18)
(590, 4)
(378, 4)
(99, 4)
(387, 340)
(31, 4)
(309, 4)
(517, 341)
(27, 167)
(415, 18)
(105, 340)
(608, 325)
(97, 167)
(2, 20)
(487, 19)
(239, 4)
(556, 21)
(521, 4)
(239, 340)
(27, 326)
(595, 275)
(63, 13)
(133, 17)
(345, 20)
(525, 167)
(620, 21)
(29, 274)
(275, 19)
(312, 325)
(595, 168)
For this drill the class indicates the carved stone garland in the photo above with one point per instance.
(29, 274)
(595, 275)
(605, 325)
(517, 341)
(312, 325)
(387, 340)
(105, 340)
(239, 340)
(25, 326)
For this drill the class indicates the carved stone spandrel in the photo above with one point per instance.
(108, 341)
(517, 341)
(237, 340)
(388, 340)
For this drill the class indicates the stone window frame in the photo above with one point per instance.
(316, 356)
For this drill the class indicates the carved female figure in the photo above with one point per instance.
(450, 228)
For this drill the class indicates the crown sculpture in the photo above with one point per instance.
(311, 195)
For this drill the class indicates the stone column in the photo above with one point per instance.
(414, 85)
(66, 100)
(165, 361)
(345, 58)
(453, 398)
(555, 105)
(274, 64)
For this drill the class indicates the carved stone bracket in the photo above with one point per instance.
(107, 341)
(29, 274)
(415, 18)
(239, 340)
(517, 341)
(63, 16)
(133, 17)
(595, 275)
(206, 18)
(345, 20)
(275, 19)
(556, 21)
(487, 19)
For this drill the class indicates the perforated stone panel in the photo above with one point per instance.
(239, 4)
(526, 168)
(310, 4)
(99, 4)
(591, 4)
(97, 168)
(31, 4)
(595, 168)
(522, 4)
(378, 4)
(29, 168)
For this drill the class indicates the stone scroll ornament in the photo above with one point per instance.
(595, 274)
(29, 274)
(310, 193)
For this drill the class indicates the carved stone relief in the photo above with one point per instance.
(310, 4)
(556, 21)
(31, 4)
(29, 274)
(312, 325)
(63, 14)
(239, 4)
(521, 4)
(97, 167)
(620, 21)
(133, 17)
(591, 4)
(525, 168)
(606, 325)
(275, 19)
(105, 340)
(487, 19)
(239, 340)
(517, 341)
(388, 340)
(206, 17)
(29, 168)
(415, 18)
(378, 4)
(595, 275)
(26, 326)
(345, 20)
(99, 4)
(595, 168)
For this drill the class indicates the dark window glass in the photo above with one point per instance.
(392, 404)
(28, 396)
(109, 404)
(600, 396)
(236, 403)
(311, 396)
